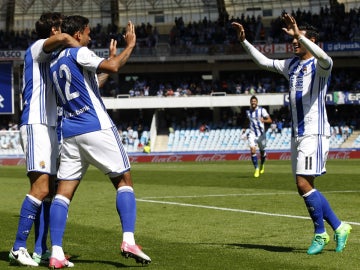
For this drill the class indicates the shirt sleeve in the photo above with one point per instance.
(88, 59)
(260, 59)
(264, 113)
(38, 53)
(324, 60)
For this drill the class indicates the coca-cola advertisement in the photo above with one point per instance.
(205, 156)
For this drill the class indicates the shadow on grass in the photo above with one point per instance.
(4, 256)
(264, 247)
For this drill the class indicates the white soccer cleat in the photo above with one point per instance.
(21, 257)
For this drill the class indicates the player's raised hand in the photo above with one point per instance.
(130, 36)
(112, 48)
(291, 26)
(239, 30)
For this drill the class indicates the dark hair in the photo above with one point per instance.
(310, 31)
(46, 22)
(253, 97)
(73, 24)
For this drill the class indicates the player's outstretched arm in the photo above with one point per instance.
(260, 59)
(58, 41)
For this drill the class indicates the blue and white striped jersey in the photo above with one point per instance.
(254, 116)
(308, 84)
(38, 94)
(74, 75)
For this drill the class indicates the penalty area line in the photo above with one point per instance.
(231, 209)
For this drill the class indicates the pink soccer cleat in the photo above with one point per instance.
(134, 251)
(59, 264)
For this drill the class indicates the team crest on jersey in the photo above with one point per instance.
(304, 69)
(42, 164)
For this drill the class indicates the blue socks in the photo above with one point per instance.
(255, 161)
(28, 212)
(263, 157)
(319, 209)
(314, 206)
(42, 227)
(58, 211)
(328, 213)
(126, 208)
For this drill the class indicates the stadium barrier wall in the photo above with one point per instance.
(348, 153)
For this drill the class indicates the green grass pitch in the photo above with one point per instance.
(199, 216)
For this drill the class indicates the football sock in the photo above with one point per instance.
(57, 252)
(42, 227)
(28, 212)
(314, 205)
(126, 207)
(58, 212)
(255, 161)
(263, 156)
(128, 237)
(328, 213)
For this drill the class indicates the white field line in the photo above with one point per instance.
(243, 194)
(229, 209)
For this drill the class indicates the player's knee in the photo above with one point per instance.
(40, 192)
(303, 185)
(123, 180)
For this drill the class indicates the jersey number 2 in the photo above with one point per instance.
(64, 72)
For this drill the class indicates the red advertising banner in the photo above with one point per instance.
(205, 157)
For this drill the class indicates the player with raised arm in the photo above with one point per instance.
(90, 136)
(257, 117)
(308, 73)
(38, 138)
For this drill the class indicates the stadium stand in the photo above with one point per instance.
(186, 140)
(235, 139)
(191, 54)
(198, 37)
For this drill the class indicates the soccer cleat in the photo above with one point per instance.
(42, 259)
(59, 264)
(21, 257)
(341, 236)
(134, 251)
(262, 168)
(257, 173)
(318, 243)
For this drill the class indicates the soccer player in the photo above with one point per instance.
(257, 117)
(308, 73)
(90, 136)
(38, 138)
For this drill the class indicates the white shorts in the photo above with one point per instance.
(102, 149)
(40, 145)
(309, 154)
(259, 141)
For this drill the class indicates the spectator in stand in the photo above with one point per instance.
(204, 127)
(345, 131)
(279, 125)
(273, 127)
